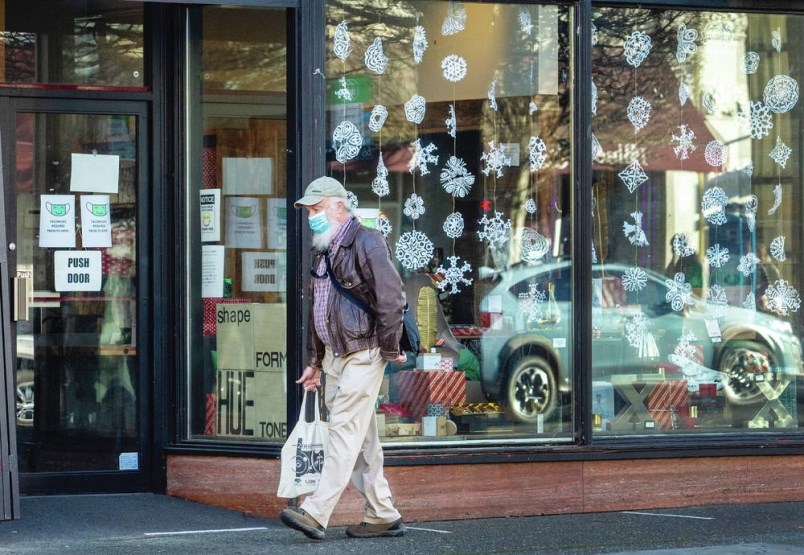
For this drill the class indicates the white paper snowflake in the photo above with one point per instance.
(782, 298)
(453, 68)
(454, 275)
(751, 206)
(717, 301)
(686, 42)
(597, 150)
(594, 99)
(748, 264)
(716, 153)
(717, 256)
(492, 94)
(530, 206)
(684, 139)
(755, 119)
(633, 176)
(532, 108)
(375, 57)
(683, 93)
(531, 302)
(352, 199)
(347, 141)
(379, 185)
(780, 153)
(777, 199)
(710, 101)
(634, 279)
(414, 206)
(636, 329)
(422, 155)
(455, 20)
(414, 250)
(750, 302)
(452, 122)
(494, 230)
(377, 118)
(781, 93)
(455, 177)
(750, 63)
(384, 225)
(748, 168)
(776, 41)
(533, 246)
(594, 254)
(453, 225)
(719, 30)
(681, 245)
(419, 43)
(685, 348)
(639, 111)
(343, 93)
(777, 248)
(342, 44)
(537, 153)
(679, 292)
(637, 47)
(525, 20)
(415, 108)
(714, 204)
(495, 159)
(634, 233)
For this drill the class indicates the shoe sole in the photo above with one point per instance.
(310, 532)
(386, 534)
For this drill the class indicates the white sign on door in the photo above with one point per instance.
(78, 270)
(57, 221)
(96, 221)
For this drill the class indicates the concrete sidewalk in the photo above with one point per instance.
(149, 523)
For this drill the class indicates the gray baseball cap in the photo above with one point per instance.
(319, 189)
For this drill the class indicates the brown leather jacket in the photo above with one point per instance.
(363, 266)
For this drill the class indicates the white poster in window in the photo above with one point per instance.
(95, 173)
(243, 229)
(210, 215)
(248, 176)
(96, 221)
(57, 221)
(212, 258)
(78, 270)
(264, 271)
(277, 223)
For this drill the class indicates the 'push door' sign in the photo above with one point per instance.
(78, 270)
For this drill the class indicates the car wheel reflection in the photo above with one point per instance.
(531, 389)
(743, 361)
(25, 399)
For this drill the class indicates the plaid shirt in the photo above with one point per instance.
(323, 286)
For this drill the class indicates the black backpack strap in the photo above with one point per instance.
(360, 304)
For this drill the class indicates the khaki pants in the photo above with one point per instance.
(353, 449)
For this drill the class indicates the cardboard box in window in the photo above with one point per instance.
(418, 389)
(409, 429)
(428, 361)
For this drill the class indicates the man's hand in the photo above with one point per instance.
(401, 358)
(310, 378)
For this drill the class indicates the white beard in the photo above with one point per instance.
(321, 241)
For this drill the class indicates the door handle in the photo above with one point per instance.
(21, 303)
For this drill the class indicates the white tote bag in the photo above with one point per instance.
(303, 454)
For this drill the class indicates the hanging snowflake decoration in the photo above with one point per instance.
(377, 118)
(454, 275)
(594, 35)
(343, 93)
(755, 119)
(782, 298)
(532, 108)
(530, 206)
(633, 176)
(347, 141)
(710, 102)
(537, 153)
(597, 150)
(685, 348)
(776, 41)
(777, 248)
(494, 230)
(721, 30)
(634, 279)
(681, 245)
(455, 178)
(750, 302)
(717, 256)
(384, 225)
(380, 185)
(636, 329)
(780, 153)
(453, 68)
(751, 206)
(455, 21)
(748, 168)
(717, 301)
(750, 63)
(637, 47)
(419, 43)
(525, 21)
(414, 250)
(716, 153)
(686, 42)
(594, 99)
(421, 157)
(748, 264)
(453, 225)
(594, 254)
(781, 94)
(639, 112)
(714, 205)
(534, 245)
(683, 93)
(375, 57)
(495, 159)
(414, 206)
(492, 94)
(684, 139)
(679, 292)
(531, 302)
(777, 199)
(352, 199)
(342, 44)
(414, 109)
(452, 122)
(634, 233)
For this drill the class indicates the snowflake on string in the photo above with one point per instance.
(634, 233)
(419, 43)
(453, 225)
(347, 141)
(594, 99)
(375, 57)
(683, 93)
(776, 41)
(414, 250)
(751, 206)
(384, 225)
(633, 176)
(525, 21)
(533, 246)
(352, 199)
(455, 20)
(342, 44)
(421, 157)
(530, 206)
(455, 178)
(495, 159)
(717, 301)
(639, 111)
(597, 150)
(343, 93)
(719, 30)
(380, 185)
(377, 118)
(748, 264)
(710, 101)
(636, 329)
(495, 230)
(681, 245)
(594, 35)
(686, 42)
(684, 140)
(454, 275)
(531, 302)
(777, 199)
(781, 93)
(492, 95)
(750, 63)
(532, 108)
(634, 279)
(594, 254)
(755, 119)
(452, 122)
(782, 298)
(717, 256)
(453, 68)
(714, 205)
(685, 348)
(537, 153)
(637, 47)
(716, 153)
(679, 292)
(750, 302)
(414, 109)
(748, 168)
(780, 153)
(777, 248)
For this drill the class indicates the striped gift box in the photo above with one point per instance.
(417, 389)
(668, 402)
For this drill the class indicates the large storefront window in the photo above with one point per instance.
(237, 382)
(697, 233)
(450, 125)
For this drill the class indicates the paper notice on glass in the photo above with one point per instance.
(212, 258)
(95, 173)
(248, 176)
(243, 229)
(210, 215)
(57, 221)
(96, 221)
(264, 271)
(277, 223)
(77, 270)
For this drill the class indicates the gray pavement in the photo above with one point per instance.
(150, 523)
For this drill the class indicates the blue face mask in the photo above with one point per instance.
(319, 223)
